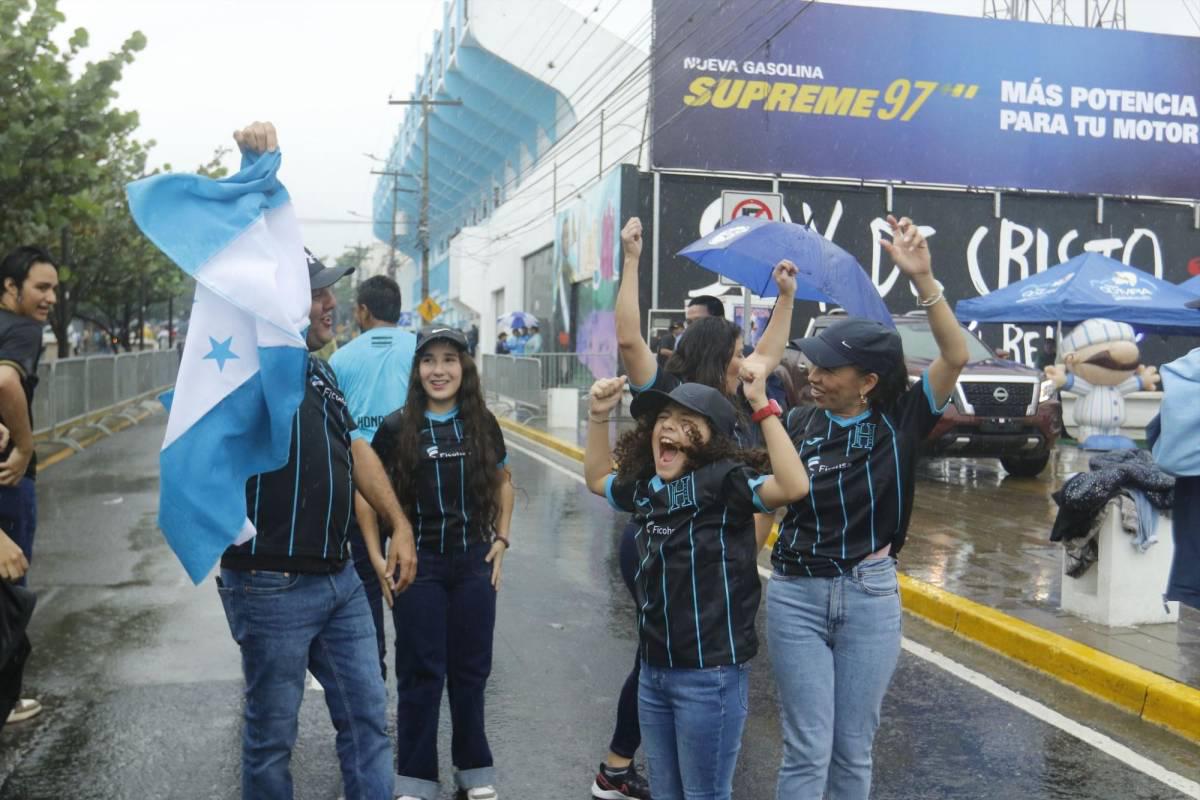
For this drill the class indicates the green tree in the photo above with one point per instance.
(58, 131)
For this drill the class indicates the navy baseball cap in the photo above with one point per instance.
(1193, 304)
(862, 343)
(704, 400)
(434, 333)
(321, 276)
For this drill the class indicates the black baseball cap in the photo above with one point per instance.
(859, 342)
(321, 276)
(433, 333)
(704, 400)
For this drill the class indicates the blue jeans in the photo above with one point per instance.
(444, 624)
(18, 516)
(834, 645)
(286, 623)
(692, 721)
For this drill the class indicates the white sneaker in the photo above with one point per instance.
(482, 793)
(407, 797)
(26, 708)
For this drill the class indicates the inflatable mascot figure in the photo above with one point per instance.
(1100, 364)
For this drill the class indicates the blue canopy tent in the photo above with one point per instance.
(1088, 285)
(1192, 285)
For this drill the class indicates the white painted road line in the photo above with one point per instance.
(1030, 706)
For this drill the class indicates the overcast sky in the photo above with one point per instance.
(322, 71)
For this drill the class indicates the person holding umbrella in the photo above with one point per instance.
(833, 602)
(709, 353)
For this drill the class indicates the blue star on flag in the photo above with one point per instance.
(221, 352)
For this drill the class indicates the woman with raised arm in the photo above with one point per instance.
(833, 602)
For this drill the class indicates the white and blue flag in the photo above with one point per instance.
(242, 375)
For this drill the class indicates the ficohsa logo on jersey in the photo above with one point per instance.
(728, 234)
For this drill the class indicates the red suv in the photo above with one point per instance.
(1000, 409)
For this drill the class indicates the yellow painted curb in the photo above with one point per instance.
(1153, 697)
(542, 438)
(1174, 706)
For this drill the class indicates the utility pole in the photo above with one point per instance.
(396, 190)
(426, 105)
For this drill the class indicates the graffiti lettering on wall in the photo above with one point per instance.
(975, 251)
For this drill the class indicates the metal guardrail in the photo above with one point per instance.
(516, 379)
(71, 389)
(523, 380)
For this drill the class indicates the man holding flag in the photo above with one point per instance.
(254, 412)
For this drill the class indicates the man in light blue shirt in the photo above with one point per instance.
(372, 371)
(533, 344)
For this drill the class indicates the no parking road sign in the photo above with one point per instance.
(766, 205)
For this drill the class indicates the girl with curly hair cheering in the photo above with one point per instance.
(693, 491)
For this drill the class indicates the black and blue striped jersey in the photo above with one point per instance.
(302, 511)
(442, 514)
(697, 581)
(861, 471)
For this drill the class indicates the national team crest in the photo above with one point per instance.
(863, 437)
(682, 493)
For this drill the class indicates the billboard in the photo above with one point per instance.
(975, 251)
(826, 90)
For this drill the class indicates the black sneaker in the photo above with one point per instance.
(625, 784)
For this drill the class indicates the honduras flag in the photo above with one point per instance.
(242, 376)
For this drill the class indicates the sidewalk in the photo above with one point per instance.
(982, 538)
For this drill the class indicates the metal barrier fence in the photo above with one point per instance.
(70, 389)
(523, 380)
(517, 379)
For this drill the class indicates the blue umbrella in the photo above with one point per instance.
(747, 250)
(517, 319)
(1086, 286)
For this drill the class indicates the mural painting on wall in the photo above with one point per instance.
(586, 252)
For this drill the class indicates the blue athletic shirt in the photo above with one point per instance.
(697, 581)
(861, 471)
(372, 370)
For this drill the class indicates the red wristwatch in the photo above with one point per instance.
(771, 409)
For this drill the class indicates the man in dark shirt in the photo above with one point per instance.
(28, 286)
(291, 595)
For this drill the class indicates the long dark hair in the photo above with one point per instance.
(634, 452)
(482, 476)
(704, 352)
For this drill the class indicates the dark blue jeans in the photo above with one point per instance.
(627, 735)
(371, 588)
(287, 623)
(444, 624)
(18, 516)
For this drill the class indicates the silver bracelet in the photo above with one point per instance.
(933, 301)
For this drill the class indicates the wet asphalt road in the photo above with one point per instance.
(142, 681)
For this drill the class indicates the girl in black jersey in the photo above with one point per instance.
(833, 604)
(693, 492)
(709, 352)
(446, 458)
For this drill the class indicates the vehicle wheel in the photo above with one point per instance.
(1026, 466)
